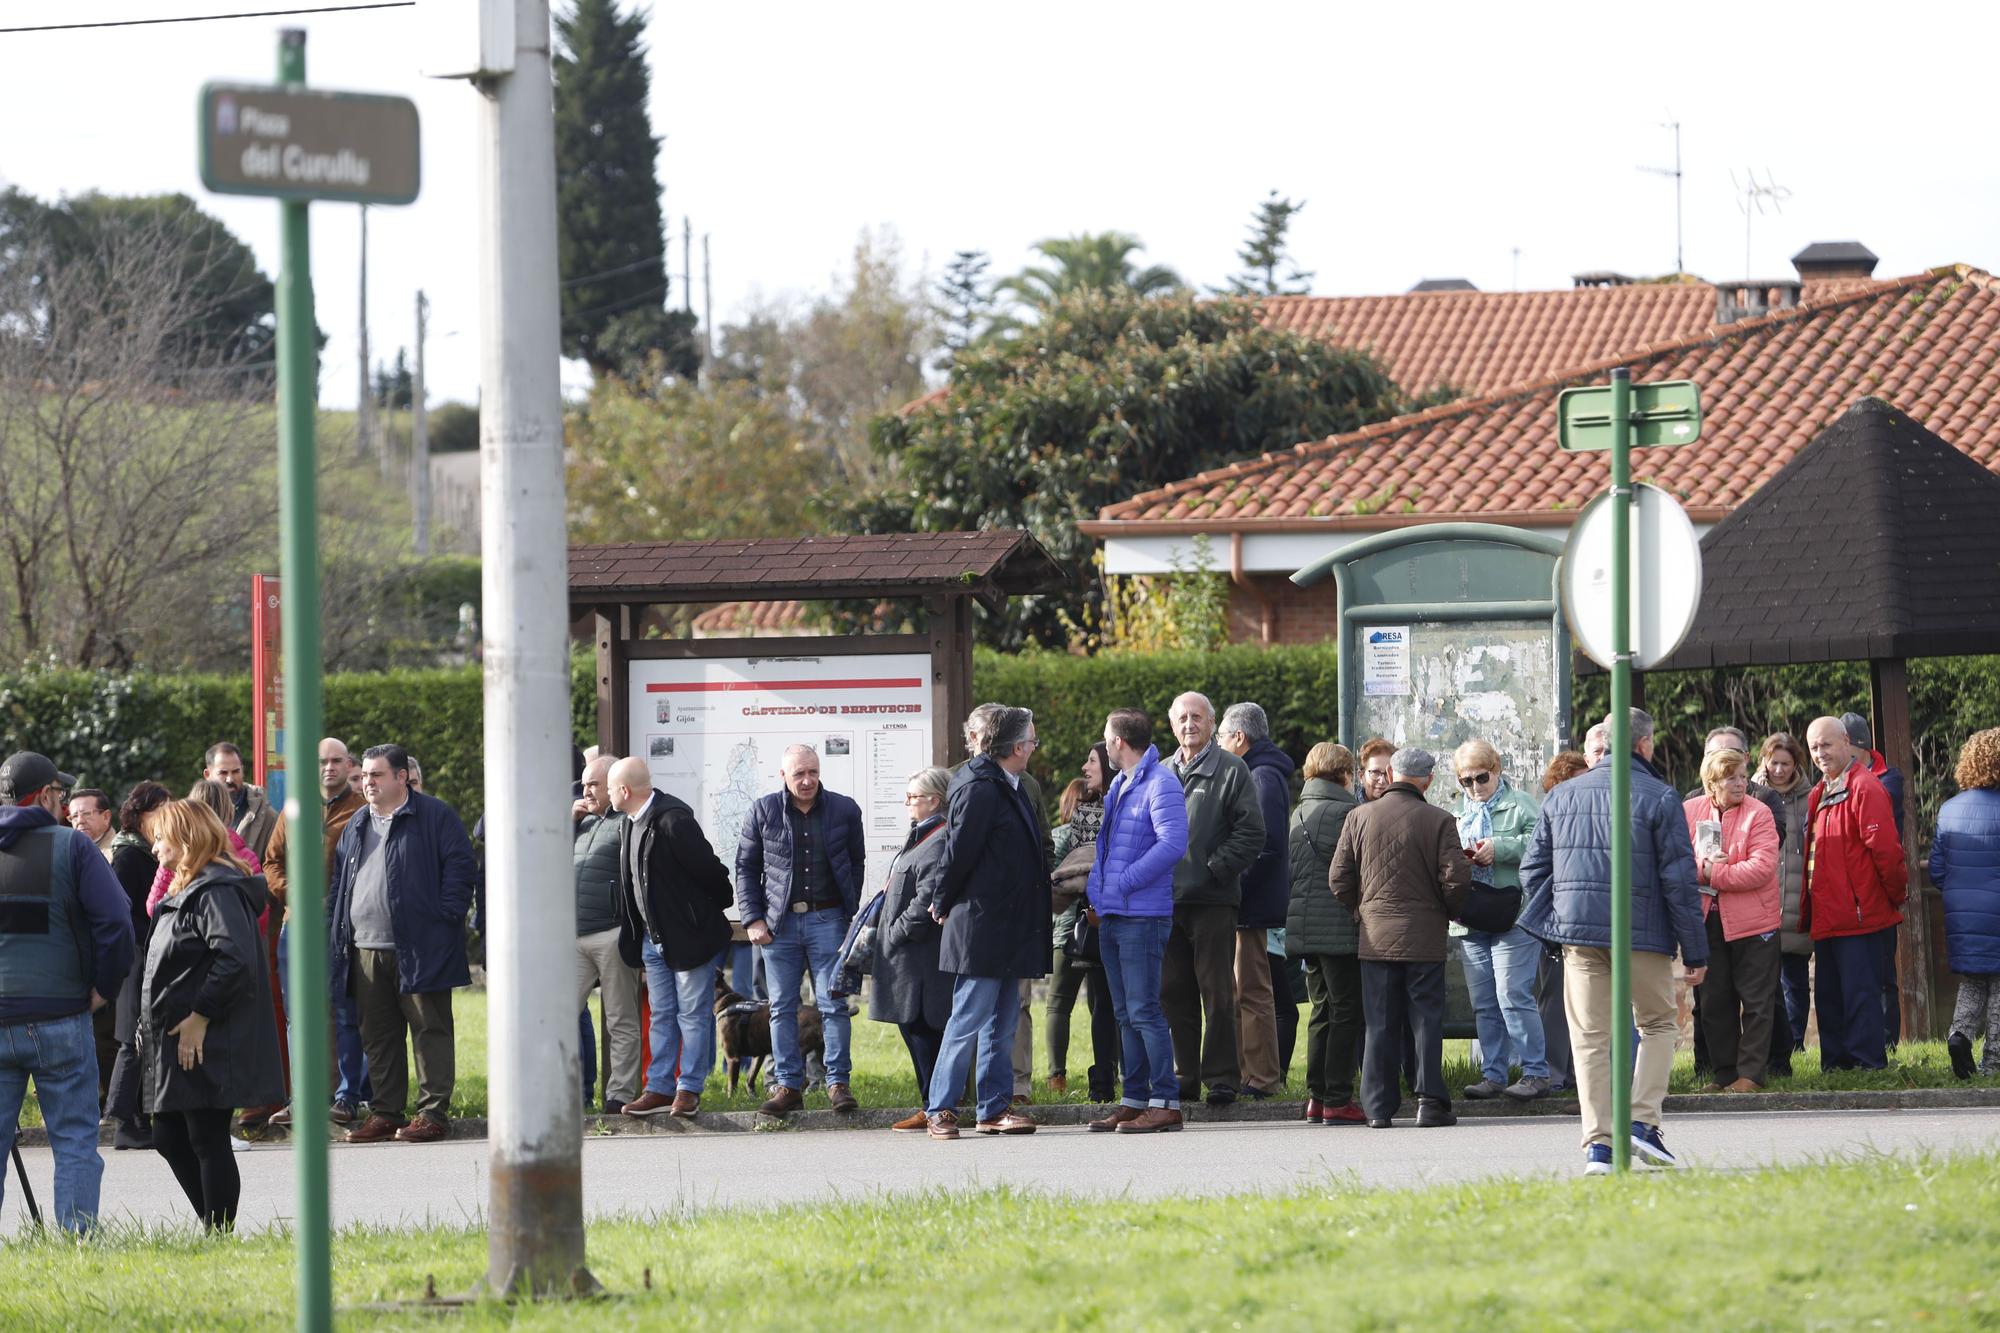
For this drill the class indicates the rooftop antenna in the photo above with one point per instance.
(1516, 252)
(1680, 265)
(1752, 197)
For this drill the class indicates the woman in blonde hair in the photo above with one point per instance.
(201, 794)
(1502, 962)
(208, 1041)
(1736, 860)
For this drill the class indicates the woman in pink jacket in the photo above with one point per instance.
(1736, 859)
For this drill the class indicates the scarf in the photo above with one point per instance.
(1475, 822)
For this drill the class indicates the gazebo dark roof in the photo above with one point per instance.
(1878, 540)
(989, 565)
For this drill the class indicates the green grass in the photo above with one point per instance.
(883, 1077)
(1882, 1243)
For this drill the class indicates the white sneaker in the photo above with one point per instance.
(1648, 1147)
(1597, 1160)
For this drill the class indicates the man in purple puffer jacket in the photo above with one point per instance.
(1144, 836)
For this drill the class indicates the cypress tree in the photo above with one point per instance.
(610, 237)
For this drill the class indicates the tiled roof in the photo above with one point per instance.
(751, 617)
(989, 562)
(1888, 549)
(1481, 342)
(1928, 345)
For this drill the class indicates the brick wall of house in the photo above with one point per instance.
(1303, 615)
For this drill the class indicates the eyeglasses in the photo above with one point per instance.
(914, 796)
(1474, 779)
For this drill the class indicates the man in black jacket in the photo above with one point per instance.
(671, 894)
(991, 895)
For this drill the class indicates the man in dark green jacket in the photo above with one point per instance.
(1225, 834)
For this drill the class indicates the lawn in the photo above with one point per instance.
(883, 1077)
(1885, 1243)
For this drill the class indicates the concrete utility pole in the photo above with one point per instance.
(364, 404)
(687, 265)
(420, 443)
(535, 1207)
(707, 309)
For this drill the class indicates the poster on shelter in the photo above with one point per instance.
(1385, 661)
(714, 731)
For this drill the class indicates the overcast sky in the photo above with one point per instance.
(1430, 140)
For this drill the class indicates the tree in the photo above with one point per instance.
(1264, 253)
(395, 387)
(691, 463)
(852, 354)
(610, 239)
(1096, 262)
(453, 428)
(964, 306)
(1114, 395)
(225, 312)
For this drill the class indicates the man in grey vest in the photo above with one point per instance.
(597, 959)
(65, 944)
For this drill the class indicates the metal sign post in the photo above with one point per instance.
(296, 146)
(1606, 417)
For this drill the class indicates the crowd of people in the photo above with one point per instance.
(1190, 899)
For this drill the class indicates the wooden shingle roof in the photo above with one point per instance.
(1878, 539)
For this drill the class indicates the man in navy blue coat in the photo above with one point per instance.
(799, 863)
(403, 875)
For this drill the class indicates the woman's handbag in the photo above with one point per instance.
(1491, 910)
(1082, 943)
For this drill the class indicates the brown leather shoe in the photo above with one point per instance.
(1011, 1123)
(783, 1101)
(1020, 1099)
(912, 1124)
(423, 1130)
(687, 1105)
(1058, 1083)
(376, 1129)
(841, 1098)
(943, 1125)
(1744, 1085)
(1119, 1115)
(253, 1118)
(1153, 1120)
(648, 1104)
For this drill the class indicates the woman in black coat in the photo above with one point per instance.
(908, 989)
(133, 864)
(207, 1036)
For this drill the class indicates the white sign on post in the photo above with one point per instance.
(1665, 567)
(1385, 660)
(714, 730)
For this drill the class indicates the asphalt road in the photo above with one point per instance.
(445, 1183)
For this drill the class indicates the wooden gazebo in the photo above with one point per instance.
(1878, 542)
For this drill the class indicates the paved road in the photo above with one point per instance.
(445, 1183)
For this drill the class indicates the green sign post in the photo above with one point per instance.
(297, 147)
(1608, 417)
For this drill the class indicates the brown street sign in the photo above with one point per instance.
(301, 143)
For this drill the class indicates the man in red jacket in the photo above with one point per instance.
(1856, 880)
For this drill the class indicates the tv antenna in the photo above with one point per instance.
(1751, 198)
(1680, 265)
(1516, 252)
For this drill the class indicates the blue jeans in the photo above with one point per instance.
(1133, 948)
(1500, 972)
(804, 939)
(743, 968)
(984, 1012)
(683, 1026)
(61, 1056)
(350, 1083)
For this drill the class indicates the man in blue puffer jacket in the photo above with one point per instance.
(1143, 837)
(1566, 887)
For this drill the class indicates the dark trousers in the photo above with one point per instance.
(1849, 995)
(923, 1042)
(1334, 1031)
(1392, 995)
(122, 1102)
(1198, 991)
(1070, 977)
(1288, 981)
(195, 1145)
(1737, 1002)
(1555, 1020)
(388, 1017)
(1789, 1014)
(1892, 993)
(586, 1056)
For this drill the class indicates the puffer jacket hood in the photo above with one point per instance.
(18, 819)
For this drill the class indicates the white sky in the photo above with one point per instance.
(1429, 139)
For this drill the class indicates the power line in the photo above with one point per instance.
(211, 18)
(647, 262)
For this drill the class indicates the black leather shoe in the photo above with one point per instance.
(1383, 1123)
(1221, 1096)
(1257, 1094)
(1435, 1115)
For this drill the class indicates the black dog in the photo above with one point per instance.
(743, 1030)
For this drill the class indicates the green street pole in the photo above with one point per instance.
(305, 863)
(1621, 769)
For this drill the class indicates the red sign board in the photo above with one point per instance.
(267, 692)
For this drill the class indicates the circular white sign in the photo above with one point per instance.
(1665, 571)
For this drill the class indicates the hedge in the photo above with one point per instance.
(112, 730)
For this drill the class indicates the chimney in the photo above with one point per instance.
(1444, 285)
(1831, 261)
(1754, 297)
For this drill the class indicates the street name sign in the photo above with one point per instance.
(302, 143)
(1666, 412)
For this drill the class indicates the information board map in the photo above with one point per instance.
(714, 730)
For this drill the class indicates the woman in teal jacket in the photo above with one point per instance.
(1495, 822)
